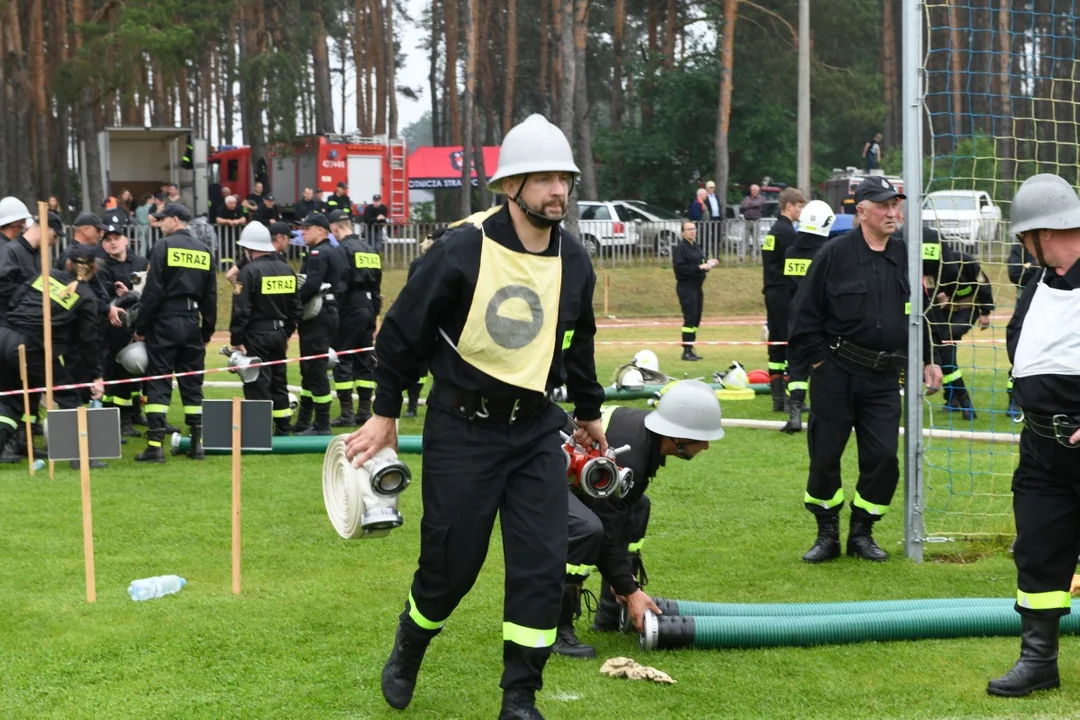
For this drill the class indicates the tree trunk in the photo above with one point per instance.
(653, 20)
(616, 99)
(471, 16)
(890, 71)
(558, 87)
(5, 131)
(320, 58)
(36, 50)
(58, 53)
(391, 72)
(545, 30)
(485, 98)
(955, 77)
(378, 64)
(227, 94)
(1007, 152)
(437, 132)
(94, 192)
(581, 103)
(359, 45)
(451, 87)
(568, 65)
(723, 114)
(185, 98)
(670, 21)
(510, 69)
(253, 34)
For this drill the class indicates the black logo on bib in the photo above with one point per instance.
(511, 333)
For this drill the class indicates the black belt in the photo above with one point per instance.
(475, 407)
(181, 304)
(873, 359)
(1058, 427)
(266, 324)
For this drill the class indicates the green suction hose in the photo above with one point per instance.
(706, 609)
(666, 633)
(298, 445)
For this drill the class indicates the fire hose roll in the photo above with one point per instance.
(341, 491)
(707, 609)
(362, 502)
(667, 633)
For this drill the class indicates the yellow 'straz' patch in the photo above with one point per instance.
(796, 266)
(770, 243)
(279, 285)
(193, 259)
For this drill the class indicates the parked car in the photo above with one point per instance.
(967, 217)
(610, 224)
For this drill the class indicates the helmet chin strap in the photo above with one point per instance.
(537, 220)
(1036, 245)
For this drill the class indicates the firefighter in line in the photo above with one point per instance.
(280, 237)
(75, 332)
(322, 265)
(180, 287)
(815, 221)
(117, 276)
(501, 306)
(691, 267)
(1043, 340)
(776, 290)
(360, 304)
(608, 534)
(265, 312)
(849, 324)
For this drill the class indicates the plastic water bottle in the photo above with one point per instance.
(155, 587)
(39, 464)
(94, 404)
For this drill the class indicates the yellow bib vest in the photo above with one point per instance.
(510, 331)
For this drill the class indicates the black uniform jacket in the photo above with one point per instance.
(439, 294)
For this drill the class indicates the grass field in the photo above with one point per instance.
(309, 633)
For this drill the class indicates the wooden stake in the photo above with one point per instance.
(236, 495)
(607, 288)
(26, 409)
(46, 311)
(87, 515)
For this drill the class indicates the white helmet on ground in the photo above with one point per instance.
(629, 378)
(13, 210)
(735, 377)
(689, 410)
(647, 360)
(816, 218)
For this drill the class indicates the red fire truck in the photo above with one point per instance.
(368, 165)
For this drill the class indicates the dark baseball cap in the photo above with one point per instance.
(338, 216)
(279, 228)
(342, 185)
(876, 189)
(376, 196)
(175, 210)
(267, 197)
(89, 218)
(81, 254)
(56, 224)
(317, 219)
(114, 224)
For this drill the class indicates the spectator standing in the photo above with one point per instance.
(268, 212)
(308, 204)
(712, 201)
(375, 214)
(872, 152)
(699, 210)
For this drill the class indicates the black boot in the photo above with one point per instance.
(1037, 668)
(606, 618)
(94, 464)
(414, 401)
(860, 542)
(519, 704)
(137, 417)
(303, 415)
(8, 454)
(694, 355)
(154, 452)
(127, 427)
(347, 417)
(794, 423)
(827, 545)
(20, 445)
(282, 427)
(322, 421)
(195, 450)
(403, 665)
(566, 642)
(688, 354)
(363, 409)
(776, 387)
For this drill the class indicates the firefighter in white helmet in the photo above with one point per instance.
(815, 222)
(501, 307)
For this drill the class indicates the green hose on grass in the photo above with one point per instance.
(690, 608)
(648, 391)
(668, 633)
(298, 445)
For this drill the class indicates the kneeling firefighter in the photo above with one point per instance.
(608, 534)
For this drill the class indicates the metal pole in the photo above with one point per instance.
(804, 98)
(914, 389)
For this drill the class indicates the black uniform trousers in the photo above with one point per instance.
(315, 337)
(266, 340)
(842, 400)
(473, 470)
(951, 327)
(116, 339)
(11, 406)
(692, 301)
(355, 330)
(777, 305)
(585, 536)
(174, 344)
(1046, 505)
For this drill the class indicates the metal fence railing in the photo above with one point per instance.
(610, 244)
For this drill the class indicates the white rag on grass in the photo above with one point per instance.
(622, 667)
